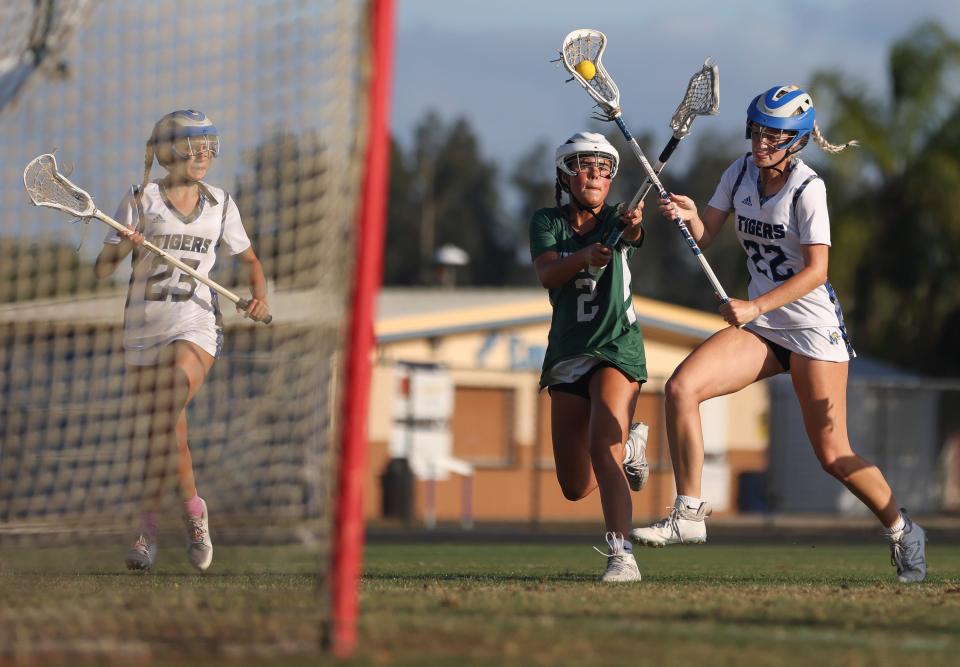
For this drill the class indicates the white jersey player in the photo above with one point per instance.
(165, 303)
(791, 322)
(172, 329)
(773, 230)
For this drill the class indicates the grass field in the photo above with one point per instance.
(509, 604)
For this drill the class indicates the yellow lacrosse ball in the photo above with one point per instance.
(586, 69)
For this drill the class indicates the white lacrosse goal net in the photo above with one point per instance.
(286, 84)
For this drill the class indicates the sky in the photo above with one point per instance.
(486, 60)
(489, 60)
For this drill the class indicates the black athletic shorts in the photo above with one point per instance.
(779, 351)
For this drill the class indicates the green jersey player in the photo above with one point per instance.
(595, 364)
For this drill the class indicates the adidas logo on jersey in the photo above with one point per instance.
(747, 201)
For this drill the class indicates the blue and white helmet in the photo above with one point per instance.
(783, 108)
(194, 126)
(586, 143)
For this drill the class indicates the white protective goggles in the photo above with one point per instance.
(197, 145)
(771, 136)
(586, 161)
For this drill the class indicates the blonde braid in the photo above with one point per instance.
(826, 146)
(147, 164)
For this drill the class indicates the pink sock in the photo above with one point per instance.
(150, 524)
(193, 507)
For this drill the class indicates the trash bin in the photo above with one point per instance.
(397, 485)
(752, 492)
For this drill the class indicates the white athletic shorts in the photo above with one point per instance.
(570, 370)
(147, 353)
(822, 343)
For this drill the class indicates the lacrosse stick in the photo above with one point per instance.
(589, 45)
(701, 99)
(48, 187)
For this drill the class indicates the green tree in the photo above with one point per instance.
(402, 245)
(444, 191)
(42, 270)
(895, 202)
(533, 180)
(290, 200)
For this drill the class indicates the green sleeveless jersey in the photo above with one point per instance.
(593, 312)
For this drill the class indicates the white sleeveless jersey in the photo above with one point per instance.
(773, 235)
(163, 302)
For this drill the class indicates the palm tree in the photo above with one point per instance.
(896, 202)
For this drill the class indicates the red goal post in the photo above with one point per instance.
(371, 225)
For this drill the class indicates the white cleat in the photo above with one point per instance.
(199, 545)
(142, 555)
(621, 565)
(683, 525)
(908, 551)
(635, 458)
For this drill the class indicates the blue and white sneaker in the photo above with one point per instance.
(908, 551)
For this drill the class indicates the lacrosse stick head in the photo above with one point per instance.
(588, 45)
(701, 99)
(48, 187)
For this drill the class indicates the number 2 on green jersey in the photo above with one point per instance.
(586, 310)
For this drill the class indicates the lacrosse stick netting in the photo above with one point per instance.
(702, 98)
(607, 95)
(47, 187)
(589, 45)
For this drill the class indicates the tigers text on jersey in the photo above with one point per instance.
(593, 312)
(773, 233)
(164, 302)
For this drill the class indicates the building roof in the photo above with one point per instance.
(410, 313)
(299, 307)
(404, 313)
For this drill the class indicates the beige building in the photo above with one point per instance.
(491, 343)
(485, 453)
